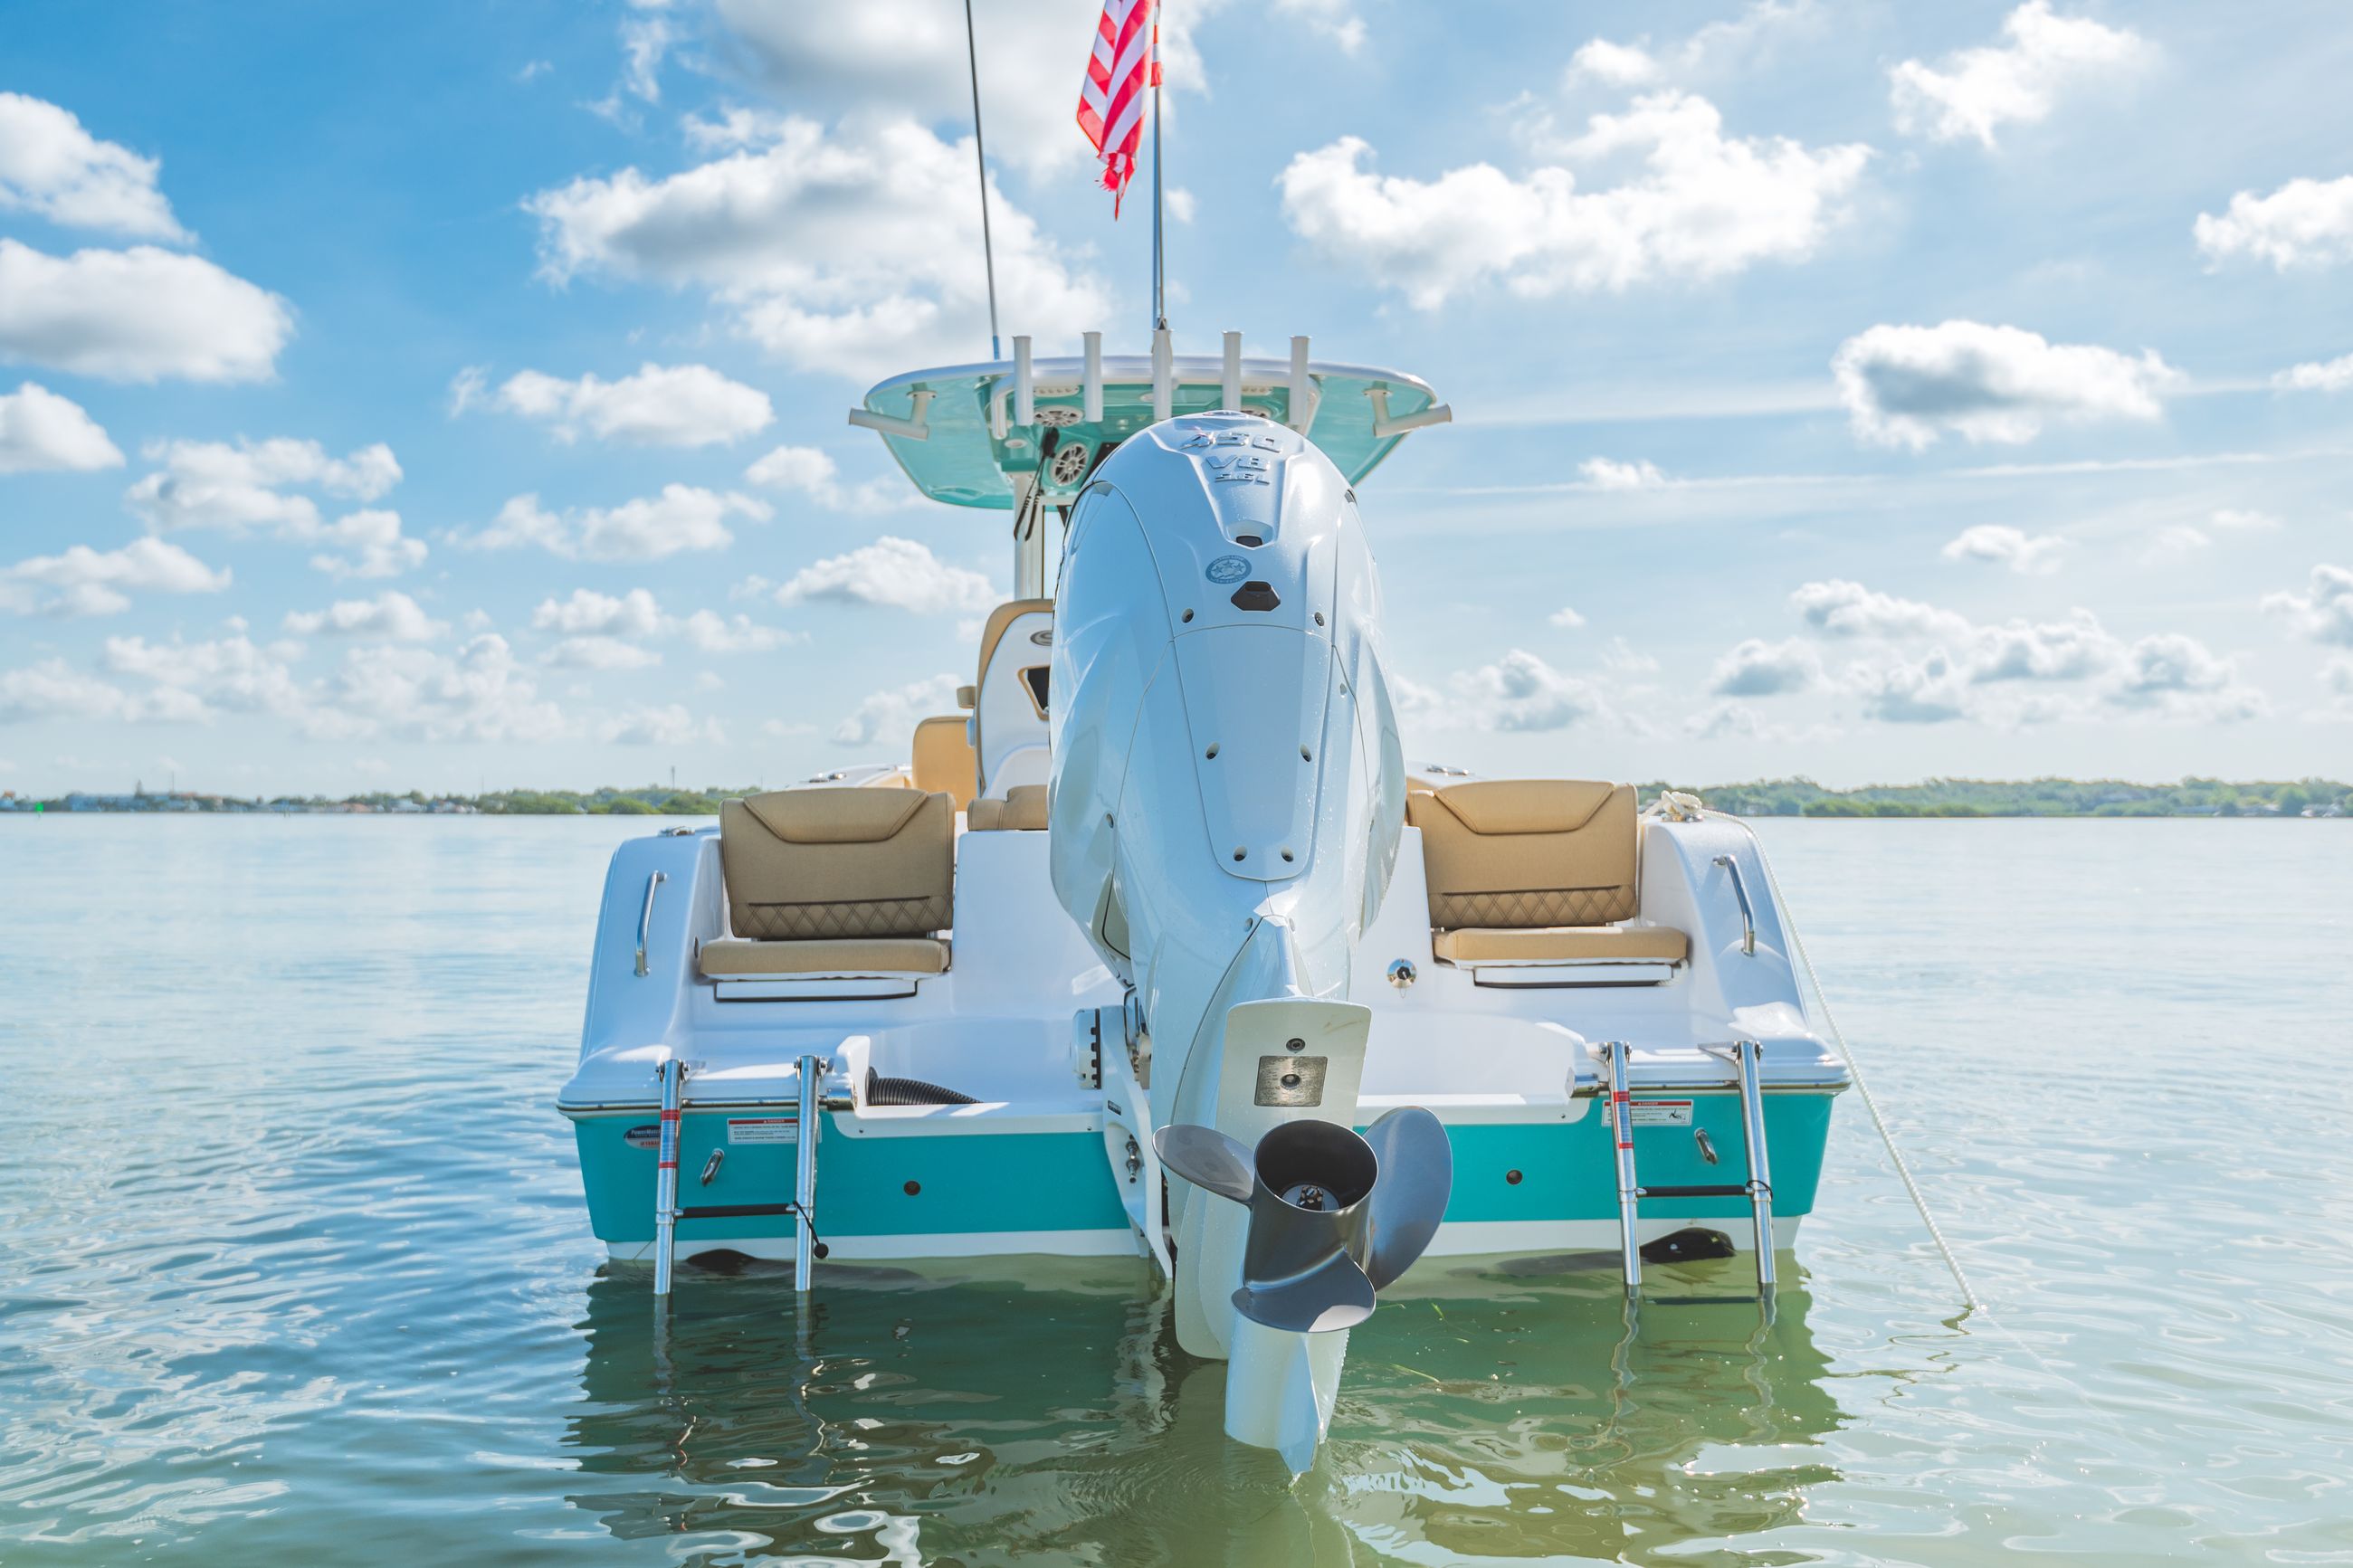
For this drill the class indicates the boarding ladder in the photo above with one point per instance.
(1747, 1060)
(807, 1247)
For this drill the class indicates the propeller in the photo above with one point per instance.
(1333, 1216)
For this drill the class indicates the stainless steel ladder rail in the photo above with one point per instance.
(807, 1247)
(1747, 1059)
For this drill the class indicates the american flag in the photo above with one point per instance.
(1111, 103)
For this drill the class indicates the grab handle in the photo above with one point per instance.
(1739, 890)
(646, 917)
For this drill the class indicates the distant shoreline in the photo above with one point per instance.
(1941, 798)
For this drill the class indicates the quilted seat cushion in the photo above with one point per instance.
(1516, 853)
(835, 864)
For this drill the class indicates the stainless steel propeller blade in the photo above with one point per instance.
(1206, 1158)
(1334, 1294)
(1408, 1199)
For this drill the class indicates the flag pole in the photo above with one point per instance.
(981, 156)
(1159, 251)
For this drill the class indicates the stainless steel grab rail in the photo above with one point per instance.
(646, 917)
(1739, 890)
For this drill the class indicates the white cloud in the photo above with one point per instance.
(2174, 543)
(670, 725)
(54, 689)
(2323, 611)
(2322, 375)
(231, 674)
(2176, 677)
(649, 528)
(2000, 545)
(1517, 693)
(86, 582)
(256, 484)
(892, 572)
(1841, 608)
(40, 430)
(479, 693)
(1181, 203)
(599, 652)
(2304, 223)
(391, 616)
(1906, 385)
(852, 250)
(140, 314)
(1729, 720)
(52, 167)
(587, 611)
(1975, 91)
(1759, 668)
(2076, 648)
(366, 543)
(1608, 474)
(1931, 691)
(1622, 658)
(1566, 617)
(714, 633)
(1619, 65)
(660, 406)
(888, 718)
(211, 484)
(812, 474)
(1703, 205)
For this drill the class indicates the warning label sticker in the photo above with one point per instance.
(1662, 1112)
(769, 1128)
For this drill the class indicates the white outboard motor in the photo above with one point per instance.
(1227, 796)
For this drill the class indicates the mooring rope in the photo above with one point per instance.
(1846, 1053)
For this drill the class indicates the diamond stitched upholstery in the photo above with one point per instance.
(834, 864)
(1528, 852)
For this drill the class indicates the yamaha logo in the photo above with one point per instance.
(1227, 568)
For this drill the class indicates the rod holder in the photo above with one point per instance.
(1091, 384)
(1163, 375)
(1232, 394)
(1304, 396)
(1025, 389)
(916, 427)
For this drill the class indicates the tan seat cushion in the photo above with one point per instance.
(804, 864)
(726, 957)
(1023, 809)
(944, 760)
(1528, 852)
(1562, 945)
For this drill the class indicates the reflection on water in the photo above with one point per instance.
(1511, 1417)
(293, 1267)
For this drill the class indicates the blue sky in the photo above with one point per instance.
(443, 395)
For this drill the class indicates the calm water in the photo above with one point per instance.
(293, 1268)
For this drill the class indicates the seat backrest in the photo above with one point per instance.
(802, 863)
(1009, 716)
(944, 760)
(1528, 852)
(1022, 809)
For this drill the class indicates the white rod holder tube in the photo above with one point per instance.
(1025, 408)
(1233, 388)
(1091, 389)
(812, 1069)
(673, 1083)
(1301, 411)
(1164, 376)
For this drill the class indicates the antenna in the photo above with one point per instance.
(981, 156)
(1159, 251)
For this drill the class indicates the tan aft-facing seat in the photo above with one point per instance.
(835, 881)
(1537, 871)
(944, 760)
(1023, 809)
